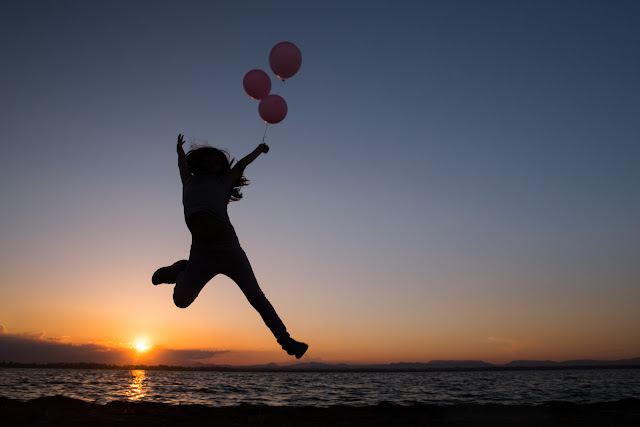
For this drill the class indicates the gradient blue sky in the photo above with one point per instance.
(454, 179)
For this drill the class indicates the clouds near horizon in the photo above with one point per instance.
(37, 348)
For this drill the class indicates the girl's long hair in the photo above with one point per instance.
(196, 160)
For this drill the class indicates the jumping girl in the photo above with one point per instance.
(208, 184)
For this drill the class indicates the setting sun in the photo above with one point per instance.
(142, 346)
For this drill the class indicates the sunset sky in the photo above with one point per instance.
(454, 179)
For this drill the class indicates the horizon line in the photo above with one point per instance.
(434, 365)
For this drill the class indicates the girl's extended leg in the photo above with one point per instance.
(240, 271)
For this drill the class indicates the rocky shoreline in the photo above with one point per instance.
(64, 411)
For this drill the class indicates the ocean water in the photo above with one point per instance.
(323, 389)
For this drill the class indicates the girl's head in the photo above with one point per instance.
(213, 161)
(208, 160)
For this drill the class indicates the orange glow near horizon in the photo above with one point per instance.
(430, 324)
(253, 346)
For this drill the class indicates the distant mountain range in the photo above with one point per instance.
(443, 365)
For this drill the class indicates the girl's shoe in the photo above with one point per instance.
(293, 347)
(169, 274)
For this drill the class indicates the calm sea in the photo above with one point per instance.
(321, 388)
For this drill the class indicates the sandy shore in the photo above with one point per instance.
(63, 411)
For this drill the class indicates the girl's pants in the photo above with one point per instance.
(206, 260)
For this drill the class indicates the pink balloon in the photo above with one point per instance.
(272, 109)
(285, 60)
(257, 84)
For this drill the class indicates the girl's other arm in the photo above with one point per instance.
(182, 160)
(238, 169)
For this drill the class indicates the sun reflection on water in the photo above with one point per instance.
(135, 391)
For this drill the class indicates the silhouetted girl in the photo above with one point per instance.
(208, 184)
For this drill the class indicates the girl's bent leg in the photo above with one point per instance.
(169, 274)
(200, 269)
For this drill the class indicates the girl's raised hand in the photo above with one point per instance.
(264, 147)
(180, 143)
(182, 160)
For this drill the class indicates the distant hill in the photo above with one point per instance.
(571, 363)
(450, 365)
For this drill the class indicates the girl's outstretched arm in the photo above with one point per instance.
(182, 160)
(238, 169)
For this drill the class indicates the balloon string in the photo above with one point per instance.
(267, 125)
(279, 87)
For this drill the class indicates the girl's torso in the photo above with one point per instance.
(205, 199)
(206, 228)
